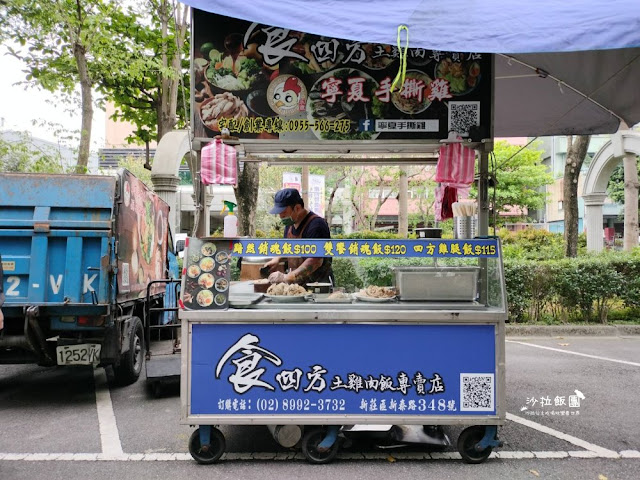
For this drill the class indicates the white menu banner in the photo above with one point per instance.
(316, 194)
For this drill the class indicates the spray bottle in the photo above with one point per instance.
(230, 221)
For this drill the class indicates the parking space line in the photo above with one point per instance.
(601, 451)
(109, 436)
(273, 456)
(112, 446)
(597, 357)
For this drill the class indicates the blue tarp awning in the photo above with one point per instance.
(561, 67)
(488, 26)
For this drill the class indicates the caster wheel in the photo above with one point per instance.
(467, 445)
(207, 454)
(310, 443)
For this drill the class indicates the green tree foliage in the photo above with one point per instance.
(136, 166)
(65, 44)
(615, 188)
(127, 52)
(21, 154)
(520, 177)
(151, 91)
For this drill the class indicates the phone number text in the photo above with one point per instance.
(273, 405)
(278, 125)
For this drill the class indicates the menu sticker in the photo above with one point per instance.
(206, 282)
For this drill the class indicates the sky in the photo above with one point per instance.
(20, 107)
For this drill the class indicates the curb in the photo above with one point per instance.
(571, 330)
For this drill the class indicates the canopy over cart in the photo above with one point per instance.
(298, 92)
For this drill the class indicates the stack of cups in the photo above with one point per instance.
(465, 219)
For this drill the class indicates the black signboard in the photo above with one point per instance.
(266, 82)
(207, 274)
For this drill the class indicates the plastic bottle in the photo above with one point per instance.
(230, 221)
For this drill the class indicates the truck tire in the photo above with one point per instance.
(130, 366)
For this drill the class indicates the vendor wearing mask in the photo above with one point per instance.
(300, 223)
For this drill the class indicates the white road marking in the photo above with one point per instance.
(601, 451)
(109, 436)
(597, 357)
(112, 447)
(270, 456)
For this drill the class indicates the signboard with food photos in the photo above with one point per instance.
(142, 238)
(207, 273)
(265, 82)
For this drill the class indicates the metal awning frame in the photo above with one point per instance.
(362, 152)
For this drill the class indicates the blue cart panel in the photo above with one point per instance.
(343, 369)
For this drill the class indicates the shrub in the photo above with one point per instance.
(370, 234)
(344, 271)
(584, 283)
(379, 271)
(518, 277)
(628, 266)
(532, 244)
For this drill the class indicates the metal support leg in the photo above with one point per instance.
(490, 438)
(205, 435)
(330, 438)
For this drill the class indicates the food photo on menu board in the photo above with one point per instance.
(270, 83)
(142, 244)
(207, 274)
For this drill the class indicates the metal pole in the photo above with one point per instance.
(202, 229)
(483, 193)
(304, 184)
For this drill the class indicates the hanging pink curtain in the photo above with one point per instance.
(219, 164)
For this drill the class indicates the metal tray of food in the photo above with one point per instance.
(427, 284)
(287, 298)
(244, 300)
(323, 298)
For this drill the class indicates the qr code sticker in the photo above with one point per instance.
(125, 274)
(462, 116)
(476, 392)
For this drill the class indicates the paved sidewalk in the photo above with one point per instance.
(571, 330)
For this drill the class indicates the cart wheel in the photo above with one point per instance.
(467, 445)
(311, 440)
(207, 454)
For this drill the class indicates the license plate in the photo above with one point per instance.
(83, 354)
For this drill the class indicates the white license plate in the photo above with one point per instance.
(83, 354)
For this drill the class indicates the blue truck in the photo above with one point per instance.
(80, 255)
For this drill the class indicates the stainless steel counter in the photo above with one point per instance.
(357, 311)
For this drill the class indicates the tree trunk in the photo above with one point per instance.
(329, 210)
(403, 212)
(79, 53)
(374, 216)
(630, 201)
(358, 199)
(170, 87)
(164, 83)
(247, 196)
(576, 152)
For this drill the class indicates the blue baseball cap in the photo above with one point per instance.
(287, 197)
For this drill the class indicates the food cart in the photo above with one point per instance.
(430, 354)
